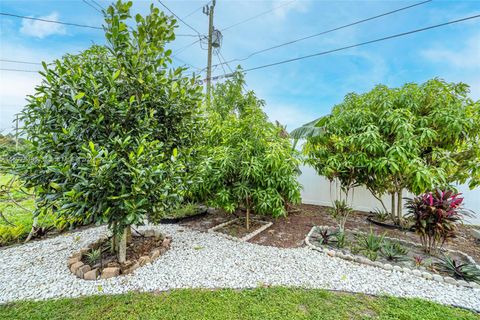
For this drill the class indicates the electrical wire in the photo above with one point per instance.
(50, 21)
(91, 6)
(357, 45)
(258, 15)
(19, 70)
(19, 61)
(330, 30)
(180, 19)
(71, 24)
(194, 11)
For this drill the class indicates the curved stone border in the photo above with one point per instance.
(244, 238)
(87, 272)
(364, 260)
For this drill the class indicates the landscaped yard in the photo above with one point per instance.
(262, 303)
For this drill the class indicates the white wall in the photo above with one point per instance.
(318, 190)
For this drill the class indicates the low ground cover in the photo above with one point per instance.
(261, 303)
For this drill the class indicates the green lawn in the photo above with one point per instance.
(261, 303)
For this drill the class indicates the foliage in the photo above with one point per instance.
(248, 161)
(340, 212)
(93, 255)
(185, 210)
(111, 128)
(393, 251)
(326, 236)
(381, 215)
(340, 238)
(436, 215)
(370, 244)
(463, 270)
(258, 303)
(416, 137)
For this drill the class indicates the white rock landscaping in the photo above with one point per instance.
(38, 270)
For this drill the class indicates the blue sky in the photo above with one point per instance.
(295, 92)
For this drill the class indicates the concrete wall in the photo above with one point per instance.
(318, 190)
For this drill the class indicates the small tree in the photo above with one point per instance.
(416, 137)
(111, 128)
(249, 162)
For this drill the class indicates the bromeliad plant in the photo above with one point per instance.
(436, 215)
(458, 269)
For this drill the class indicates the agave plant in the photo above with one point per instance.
(435, 216)
(370, 244)
(94, 255)
(393, 251)
(340, 238)
(462, 270)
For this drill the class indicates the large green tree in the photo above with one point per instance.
(249, 162)
(111, 129)
(413, 138)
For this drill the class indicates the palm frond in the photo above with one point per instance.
(312, 129)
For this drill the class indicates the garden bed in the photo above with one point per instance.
(97, 261)
(413, 260)
(236, 228)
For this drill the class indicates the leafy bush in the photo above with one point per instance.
(112, 128)
(462, 270)
(393, 251)
(436, 215)
(248, 161)
(413, 138)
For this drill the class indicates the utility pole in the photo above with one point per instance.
(208, 10)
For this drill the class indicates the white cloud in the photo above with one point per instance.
(42, 29)
(467, 57)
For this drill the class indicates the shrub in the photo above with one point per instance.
(435, 216)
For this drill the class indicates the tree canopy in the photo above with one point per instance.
(249, 162)
(417, 137)
(111, 128)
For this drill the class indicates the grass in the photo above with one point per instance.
(261, 303)
(21, 218)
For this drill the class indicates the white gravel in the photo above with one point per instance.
(38, 270)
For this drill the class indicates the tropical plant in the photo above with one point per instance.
(111, 129)
(248, 161)
(463, 270)
(370, 244)
(94, 255)
(340, 238)
(389, 140)
(325, 236)
(436, 215)
(393, 251)
(340, 212)
(381, 214)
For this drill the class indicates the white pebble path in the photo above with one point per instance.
(38, 270)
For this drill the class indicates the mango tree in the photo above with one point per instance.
(111, 128)
(415, 138)
(248, 161)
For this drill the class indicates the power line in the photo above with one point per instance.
(194, 11)
(91, 6)
(72, 24)
(357, 45)
(19, 70)
(258, 15)
(330, 30)
(198, 33)
(50, 21)
(98, 5)
(19, 61)
(225, 61)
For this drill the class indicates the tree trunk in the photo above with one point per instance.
(122, 246)
(248, 215)
(129, 234)
(400, 207)
(393, 213)
(33, 230)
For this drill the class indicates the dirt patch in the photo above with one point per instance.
(239, 229)
(290, 231)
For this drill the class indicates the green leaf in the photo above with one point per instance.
(79, 95)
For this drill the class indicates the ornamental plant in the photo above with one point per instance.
(111, 129)
(415, 138)
(436, 215)
(249, 162)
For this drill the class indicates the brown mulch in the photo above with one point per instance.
(239, 229)
(290, 231)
